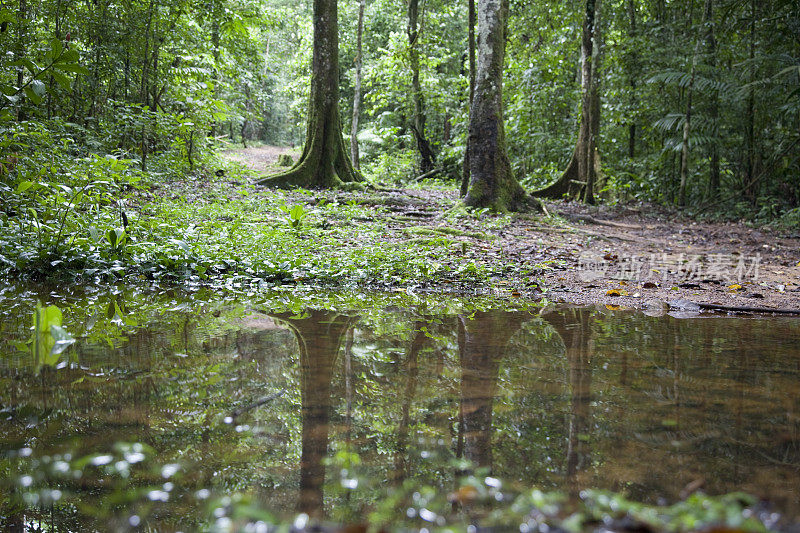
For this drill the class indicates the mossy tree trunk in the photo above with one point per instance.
(578, 180)
(491, 184)
(324, 162)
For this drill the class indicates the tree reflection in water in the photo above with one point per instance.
(319, 335)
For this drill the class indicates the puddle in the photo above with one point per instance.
(169, 402)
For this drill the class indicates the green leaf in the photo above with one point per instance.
(32, 67)
(62, 79)
(24, 186)
(50, 316)
(56, 47)
(30, 92)
(70, 56)
(72, 67)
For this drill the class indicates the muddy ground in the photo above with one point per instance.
(637, 256)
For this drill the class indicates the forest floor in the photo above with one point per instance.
(634, 256)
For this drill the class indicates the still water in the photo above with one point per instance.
(168, 403)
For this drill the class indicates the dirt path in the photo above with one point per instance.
(261, 158)
(628, 257)
(638, 258)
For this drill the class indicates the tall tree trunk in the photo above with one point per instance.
(633, 73)
(324, 162)
(357, 91)
(711, 50)
(492, 183)
(471, 54)
(751, 185)
(418, 127)
(579, 177)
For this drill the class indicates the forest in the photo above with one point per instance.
(399, 265)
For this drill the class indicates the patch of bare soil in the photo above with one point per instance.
(262, 158)
(630, 257)
(627, 257)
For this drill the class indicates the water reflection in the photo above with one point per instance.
(573, 327)
(381, 396)
(482, 341)
(319, 335)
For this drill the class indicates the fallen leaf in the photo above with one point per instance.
(735, 287)
(616, 292)
(466, 494)
(649, 285)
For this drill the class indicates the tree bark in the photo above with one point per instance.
(357, 91)
(580, 175)
(418, 127)
(711, 49)
(324, 162)
(471, 54)
(492, 183)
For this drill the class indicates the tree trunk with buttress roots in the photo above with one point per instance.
(578, 180)
(324, 162)
(492, 183)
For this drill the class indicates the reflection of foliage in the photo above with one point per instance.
(165, 369)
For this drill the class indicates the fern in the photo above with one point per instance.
(702, 84)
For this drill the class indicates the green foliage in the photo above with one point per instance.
(294, 214)
(48, 338)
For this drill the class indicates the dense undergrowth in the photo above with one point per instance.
(67, 214)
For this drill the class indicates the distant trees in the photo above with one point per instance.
(700, 101)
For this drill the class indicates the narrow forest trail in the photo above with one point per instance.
(261, 158)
